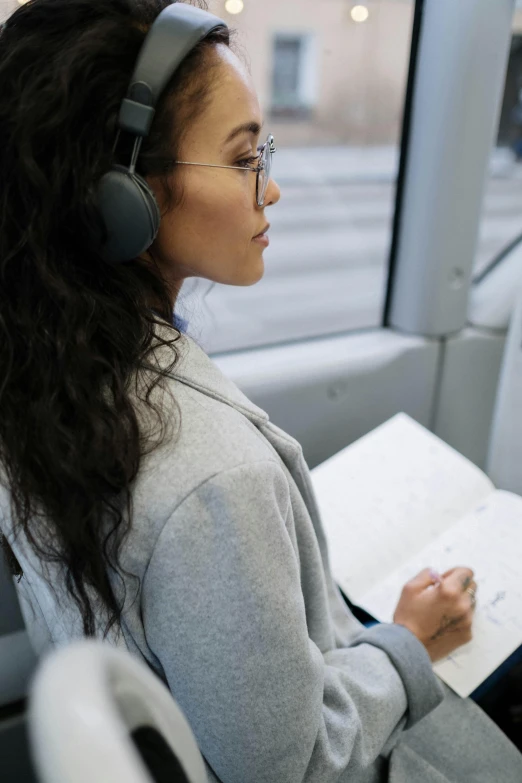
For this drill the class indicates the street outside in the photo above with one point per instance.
(326, 266)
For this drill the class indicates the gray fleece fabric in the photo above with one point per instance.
(238, 614)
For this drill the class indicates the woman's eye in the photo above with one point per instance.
(247, 161)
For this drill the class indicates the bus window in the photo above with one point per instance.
(501, 221)
(332, 89)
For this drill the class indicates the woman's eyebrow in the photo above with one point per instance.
(247, 127)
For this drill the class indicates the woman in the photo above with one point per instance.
(146, 499)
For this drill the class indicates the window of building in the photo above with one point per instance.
(290, 92)
(332, 91)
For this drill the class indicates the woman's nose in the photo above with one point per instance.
(273, 193)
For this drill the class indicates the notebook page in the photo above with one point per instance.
(383, 498)
(488, 540)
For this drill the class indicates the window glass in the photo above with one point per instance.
(502, 213)
(287, 68)
(332, 92)
(332, 86)
(292, 68)
(6, 8)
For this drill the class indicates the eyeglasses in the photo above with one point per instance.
(262, 170)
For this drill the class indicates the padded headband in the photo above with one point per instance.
(126, 203)
(174, 33)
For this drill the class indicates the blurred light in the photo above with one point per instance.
(360, 13)
(22, 2)
(234, 6)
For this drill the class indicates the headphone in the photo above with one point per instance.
(124, 199)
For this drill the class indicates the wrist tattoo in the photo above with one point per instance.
(447, 624)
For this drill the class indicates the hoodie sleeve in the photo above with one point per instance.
(224, 613)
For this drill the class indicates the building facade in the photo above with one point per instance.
(343, 81)
(324, 78)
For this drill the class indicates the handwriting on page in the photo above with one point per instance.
(489, 540)
(386, 496)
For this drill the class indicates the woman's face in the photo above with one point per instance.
(211, 233)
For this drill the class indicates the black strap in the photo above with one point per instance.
(158, 757)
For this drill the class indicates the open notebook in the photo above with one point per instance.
(399, 500)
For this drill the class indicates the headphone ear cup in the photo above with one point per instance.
(130, 213)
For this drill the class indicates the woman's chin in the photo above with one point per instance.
(252, 272)
(260, 273)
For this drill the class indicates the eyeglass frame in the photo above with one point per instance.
(269, 144)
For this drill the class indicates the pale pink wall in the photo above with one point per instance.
(6, 8)
(362, 68)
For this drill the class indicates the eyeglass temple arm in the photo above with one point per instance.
(269, 142)
(214, 166)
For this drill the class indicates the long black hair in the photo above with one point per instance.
(75, 331)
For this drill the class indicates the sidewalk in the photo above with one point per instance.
(350, 165)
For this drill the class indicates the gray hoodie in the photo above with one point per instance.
(238, 614)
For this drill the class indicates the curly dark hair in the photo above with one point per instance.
(75, 331)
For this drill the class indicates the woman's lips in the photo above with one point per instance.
(262, 238)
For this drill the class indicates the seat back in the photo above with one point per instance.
(87, 702)
(504, 463)
(17, 664)
(17, 659)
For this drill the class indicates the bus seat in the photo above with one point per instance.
(96, 713)
(17, 659)
(17, 664)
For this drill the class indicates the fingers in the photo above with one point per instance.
(464, 576)
(471, 592)
(457, 580)
(459, 589)
(423, 580)
(457, 586)
(457, 568)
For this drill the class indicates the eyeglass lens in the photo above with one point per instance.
(264, 174)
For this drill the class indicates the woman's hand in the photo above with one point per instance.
(439, 610)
